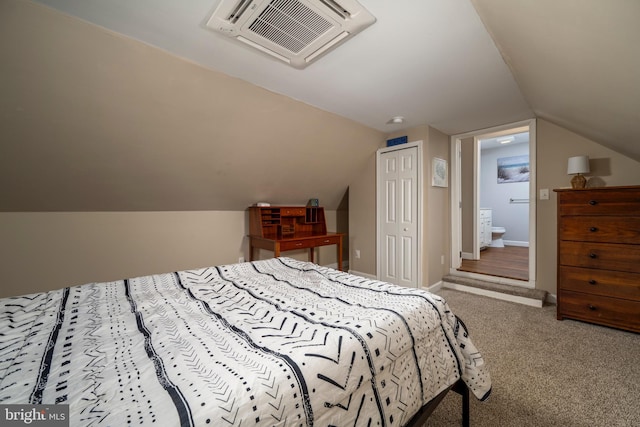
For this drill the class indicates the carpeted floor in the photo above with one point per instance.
(546, 372)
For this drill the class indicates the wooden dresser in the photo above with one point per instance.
(599, 256)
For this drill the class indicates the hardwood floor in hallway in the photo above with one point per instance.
(511, 262)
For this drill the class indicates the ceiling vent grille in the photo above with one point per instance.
(294, 31)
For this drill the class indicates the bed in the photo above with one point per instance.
(277, 342)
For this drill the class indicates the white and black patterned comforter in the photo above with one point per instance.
(274, 342)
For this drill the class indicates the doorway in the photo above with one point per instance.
(493, 173)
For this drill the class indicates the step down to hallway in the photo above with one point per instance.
(527, 296)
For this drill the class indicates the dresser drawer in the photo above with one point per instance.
(603, 310)
(618, 229)
(600, 282)
(606, 256)
(599, 202)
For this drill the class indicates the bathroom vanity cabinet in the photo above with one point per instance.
(485, 227)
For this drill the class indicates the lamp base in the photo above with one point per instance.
(578, 181)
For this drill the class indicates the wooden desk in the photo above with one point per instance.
(309, 241)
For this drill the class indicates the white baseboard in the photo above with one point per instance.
(436, 287)
(516, 243)
(467, 255)
(497, 295)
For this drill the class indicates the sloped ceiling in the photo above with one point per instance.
(430, 61)
(436, 62)
(577, 63)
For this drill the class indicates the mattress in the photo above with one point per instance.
(277, 342)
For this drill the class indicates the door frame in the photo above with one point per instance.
(476, 196)
(379, 205)
(456, 203)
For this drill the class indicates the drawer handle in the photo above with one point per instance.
(593, 282)
(593, 229)
(593, 256)
(592, 307)
(298, 244)
(327, 241)
(593, 202)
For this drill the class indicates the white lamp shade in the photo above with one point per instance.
(578, 164)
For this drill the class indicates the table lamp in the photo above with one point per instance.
(577, 166)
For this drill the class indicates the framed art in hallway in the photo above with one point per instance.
(439, 173)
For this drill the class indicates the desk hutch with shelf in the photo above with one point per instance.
(286, 228)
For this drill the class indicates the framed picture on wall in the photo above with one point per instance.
(439, 173)
(513, 169)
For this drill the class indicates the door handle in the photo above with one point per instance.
(406, 229)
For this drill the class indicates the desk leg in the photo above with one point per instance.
(276, 250)
(250, 251)
(340, 255)
(311, 254)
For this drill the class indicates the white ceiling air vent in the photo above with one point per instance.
(294, 31)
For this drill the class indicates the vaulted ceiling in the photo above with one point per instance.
(576, 63)
(455, 65)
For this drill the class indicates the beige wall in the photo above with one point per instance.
(112, 148)
(42, 251)
(438, 212)
(362, 219)
(94, 121)
(49, 250)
